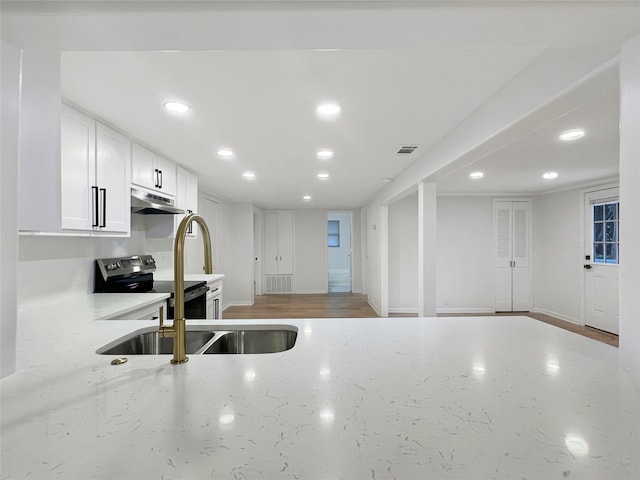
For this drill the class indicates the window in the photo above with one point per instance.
(333, 230)
(606, 231)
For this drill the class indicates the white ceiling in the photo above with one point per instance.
(518, 163)
(403, 72)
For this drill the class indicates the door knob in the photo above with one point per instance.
(588, 266)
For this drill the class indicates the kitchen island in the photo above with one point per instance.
(406, 398)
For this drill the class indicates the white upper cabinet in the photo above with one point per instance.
(79, 194)
(94, 174)
(187, 198)
(112, 176)
(151, 171)
(165, 226)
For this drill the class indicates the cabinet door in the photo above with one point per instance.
(270, 243)
(512, 224)
(191, 199)
(143, 167)
(186, 198)
(79, 192)
(521, 289)
(113, 166)
(502, 214)
(285, 243)
(166, 176)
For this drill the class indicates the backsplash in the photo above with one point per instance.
(63, 266)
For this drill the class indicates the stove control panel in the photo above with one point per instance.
(110, 268)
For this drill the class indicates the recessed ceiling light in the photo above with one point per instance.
(176, 107)
(476, 175)
(225, 153)
(249, 175)
(328, 110)
(306, 198)
(324, 154)
(550, 175)
(323, 176)
(387, 180)
(572, 135)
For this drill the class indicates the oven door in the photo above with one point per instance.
(195, 304)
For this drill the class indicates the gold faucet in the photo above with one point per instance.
(178, 329)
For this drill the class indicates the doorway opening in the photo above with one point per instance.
(339, 266)
(601, 260)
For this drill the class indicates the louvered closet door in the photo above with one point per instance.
(502, 215)
(512, 220)
(521, 271)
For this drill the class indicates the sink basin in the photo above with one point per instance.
(207, 339)
(148, 341)
(253, 341)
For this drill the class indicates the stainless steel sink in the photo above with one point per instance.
(147, 341)
(207, 339)
(253, 341)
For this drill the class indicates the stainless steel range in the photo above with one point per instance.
(135, 275)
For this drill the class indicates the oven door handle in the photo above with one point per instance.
(198, 292)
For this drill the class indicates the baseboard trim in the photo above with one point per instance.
(375, 308)
(560, 316)
(310, 292)
(403, 310)
(237, 304)
(478, 310)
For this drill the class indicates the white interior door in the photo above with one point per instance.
(512, 227)
(502, 216)
(602, 220)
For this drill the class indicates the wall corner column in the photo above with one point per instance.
(629, 269)
(427, 249)
(384, 260)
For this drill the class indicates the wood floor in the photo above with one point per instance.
(346, 305)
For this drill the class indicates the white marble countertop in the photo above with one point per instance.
(406, 398)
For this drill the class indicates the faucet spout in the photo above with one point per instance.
(177, 331)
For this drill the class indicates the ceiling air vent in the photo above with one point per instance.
(407, 149)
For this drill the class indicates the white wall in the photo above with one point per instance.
(557, 254)
(403, 255)
(10, 82)
(630, 210)
(50, 266)
(310, 255)
(237, 254)
(465, 254)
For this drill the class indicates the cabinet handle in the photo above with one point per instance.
(157, 185)
(190, 227)
(95, 207)
(104, 207)
(160, 172)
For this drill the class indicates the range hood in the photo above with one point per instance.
(145, 203)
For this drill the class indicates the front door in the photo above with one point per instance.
(602, 257)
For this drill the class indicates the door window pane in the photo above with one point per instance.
(597, 232)
(333, 229)
(598, 252)
(610, 232)
(598, 213)
(606, 233)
